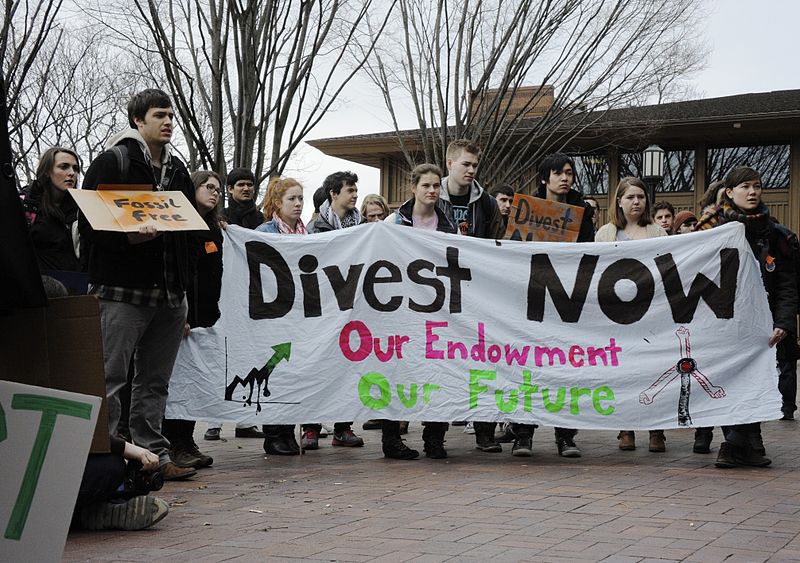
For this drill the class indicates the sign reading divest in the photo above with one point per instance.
(536, 219)
(127, 210)
(383, 321)
(44, 438)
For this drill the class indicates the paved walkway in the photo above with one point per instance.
(340, 504)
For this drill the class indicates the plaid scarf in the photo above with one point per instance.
(284, 227)
(757, 221)
(352, 218)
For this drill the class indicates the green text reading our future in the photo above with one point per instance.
(377, 392)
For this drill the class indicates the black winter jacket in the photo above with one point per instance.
(574, 197)
(52, 237)
(243, 214)
(112, 259)
(204, 290)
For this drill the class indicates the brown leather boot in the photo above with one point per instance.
(627, 441)
(658, 442)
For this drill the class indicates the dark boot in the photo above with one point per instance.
(702, 440)
(392, 444)
(287, 434)
(627, 440)
(484, 437)
(274, 441)
(726, 458)
(433, 436)
(658, 442)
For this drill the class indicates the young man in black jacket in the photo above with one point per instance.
(241, 210)
(141, 278)
(556, 175)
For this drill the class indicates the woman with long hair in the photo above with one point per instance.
(630, 219)
(51, 213)
(422, 212)
(202, 296)
(282, 207)
(374, 208)
(741, 202)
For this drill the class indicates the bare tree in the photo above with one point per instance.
(251, 78)
(465, 69)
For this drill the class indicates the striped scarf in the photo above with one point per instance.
(284, 227)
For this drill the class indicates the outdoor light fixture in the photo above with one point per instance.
(652, 168)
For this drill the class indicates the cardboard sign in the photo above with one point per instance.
(58, 346)
(536, 219)
(44, 439)
(421, 325)
(127, 210)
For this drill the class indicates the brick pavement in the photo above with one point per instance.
(339, 504)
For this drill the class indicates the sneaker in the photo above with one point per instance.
(523, 446)
(434, 449)
(372, 424)
(137, 513)
(310, 440)
(347, 438)
(567, 448)
(658, 442)
(469, 428)
(325, 431)
(507, 435)
(627, 441)
(212, 434)
(190, 456)
(172, 472)
(250, 432)
(395, 448)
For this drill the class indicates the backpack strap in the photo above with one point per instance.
(123, 159)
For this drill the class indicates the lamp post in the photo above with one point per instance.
(652, 169)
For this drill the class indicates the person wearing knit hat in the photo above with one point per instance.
(241, 210)
(684, 222)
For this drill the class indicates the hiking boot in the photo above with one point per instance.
(190, 456)
(171, 472)
(434, 449)
(757, 444)
(752, 457)
(658, 442)
(627, 441)
(137, 513)
(346, 438)
(250, 432)
(310, 440)
(372, 424)
(484, 438)
(702, 441)
(276, 445)
(212, 434)
(725, 457)
(567, 448)
(395, 448)
(523, 445)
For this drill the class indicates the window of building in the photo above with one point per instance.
(678, 169)
(591, 174)
(772, 161)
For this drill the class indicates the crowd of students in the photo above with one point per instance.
(155, 287)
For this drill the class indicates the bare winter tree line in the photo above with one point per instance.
(251, 79)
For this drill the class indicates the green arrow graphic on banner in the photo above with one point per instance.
(258, 378)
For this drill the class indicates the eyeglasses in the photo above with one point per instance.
(211, 188)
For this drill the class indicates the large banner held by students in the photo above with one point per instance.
(383, 321)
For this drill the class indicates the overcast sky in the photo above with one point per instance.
(754, 46)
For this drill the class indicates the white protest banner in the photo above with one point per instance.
(44, 440)
(384, 321)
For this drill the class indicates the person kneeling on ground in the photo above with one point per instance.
(113, 494)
